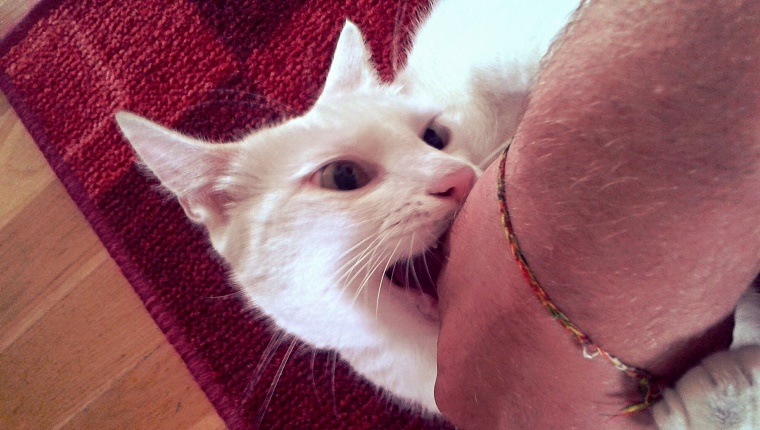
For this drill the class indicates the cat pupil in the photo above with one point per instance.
(433, 138)
(345, 177)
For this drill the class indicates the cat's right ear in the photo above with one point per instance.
(351, 67)
(195, 171)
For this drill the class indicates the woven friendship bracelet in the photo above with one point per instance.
(649, 390)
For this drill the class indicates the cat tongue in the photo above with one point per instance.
(419, 274)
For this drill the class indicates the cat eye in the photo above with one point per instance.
(436, 136)
(343, 175)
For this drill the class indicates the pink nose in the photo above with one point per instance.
(455, 185)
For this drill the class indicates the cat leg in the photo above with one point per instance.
(723, 392)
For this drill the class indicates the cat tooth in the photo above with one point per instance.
(435, 246)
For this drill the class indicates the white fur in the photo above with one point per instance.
(313, 260)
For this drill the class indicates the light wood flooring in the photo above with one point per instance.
(77, 348)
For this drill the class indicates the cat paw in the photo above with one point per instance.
(722, 393)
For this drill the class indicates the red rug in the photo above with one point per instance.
(213, 69)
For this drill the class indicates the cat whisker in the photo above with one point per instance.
(380, 287)
(372, 263)
(409, 262)
(354, 262)
(410, 267)
(427, 268)
(275, 381)
(334, 356)
(368, 274)
(375, 259)
(312, 364)
(367, 260)
(266, 358)
(414, 273)
(331, 358)
(351, 261)
(233, 295)
(490, 158)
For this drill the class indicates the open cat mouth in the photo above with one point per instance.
(420, 273)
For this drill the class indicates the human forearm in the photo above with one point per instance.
(633, 182)
(634, 191)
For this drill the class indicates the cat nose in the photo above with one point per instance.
(455, 185)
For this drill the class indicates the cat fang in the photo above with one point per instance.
(418, 275)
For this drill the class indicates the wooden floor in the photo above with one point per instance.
(77, 348)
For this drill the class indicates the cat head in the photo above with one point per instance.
(310, 214)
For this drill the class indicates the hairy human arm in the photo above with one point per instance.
(634, 189)
(635, 179)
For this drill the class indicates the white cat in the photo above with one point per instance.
(324, 219)
(313, 214)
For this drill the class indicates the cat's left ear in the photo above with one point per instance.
(351, 67)
(195, 171)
